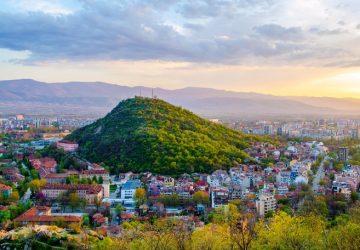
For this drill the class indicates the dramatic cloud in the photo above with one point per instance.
(213, 31)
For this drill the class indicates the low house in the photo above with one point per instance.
(42, 216)
(158, 207)
(99, 219)
(5, 190)
(44, 165)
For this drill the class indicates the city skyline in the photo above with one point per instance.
(253, 46)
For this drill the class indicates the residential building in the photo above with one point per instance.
(283, 178)
(127, 191)
(265, 203)
(56, 178)
(97, 173)
(268, 129)
(85, 191)
(343, 153)
(219, 196)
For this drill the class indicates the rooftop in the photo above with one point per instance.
(132, 184)
(92, 189)
(43, 214)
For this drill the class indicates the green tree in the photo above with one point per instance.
(140, 196)
(201, 197)
(287, 232)
(119, 208)
(74, 200)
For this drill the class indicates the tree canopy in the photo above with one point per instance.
(143, 134)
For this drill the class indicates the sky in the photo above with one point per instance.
(279, 47)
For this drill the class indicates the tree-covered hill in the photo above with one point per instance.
(144, 134)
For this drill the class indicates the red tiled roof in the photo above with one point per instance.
(39, 214)
(125, 216)
(94, 171)
(92, 189)
(99, 218)
(55, 176)
(4, 187)
(201, 183)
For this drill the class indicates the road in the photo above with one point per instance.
(26, 196)
(319, 175)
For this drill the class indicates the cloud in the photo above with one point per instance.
(277, 32)
(319, 31)
(213, 31)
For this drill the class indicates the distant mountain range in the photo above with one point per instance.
(97, 98)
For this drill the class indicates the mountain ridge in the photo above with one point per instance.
(24, 95)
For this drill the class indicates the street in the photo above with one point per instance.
(319, 175)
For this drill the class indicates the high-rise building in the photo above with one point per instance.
(266, 203)
(343, 153)
(355, 133)
(268, 129)
(280, 131)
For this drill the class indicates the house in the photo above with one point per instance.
(67, 146)
(127, 191)
(44, 165)
(127, 216)
(12, 174)
(201, 185)
(99, 219)
(41, 215)
(5, 190)
(85, 191)
(158, 207)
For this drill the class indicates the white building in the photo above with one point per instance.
(127, 191)
(283, 178)
(265, 203)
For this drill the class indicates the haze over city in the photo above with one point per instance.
(309, 48)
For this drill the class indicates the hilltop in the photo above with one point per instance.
(144, 134)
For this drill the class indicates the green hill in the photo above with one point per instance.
(143, 134)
